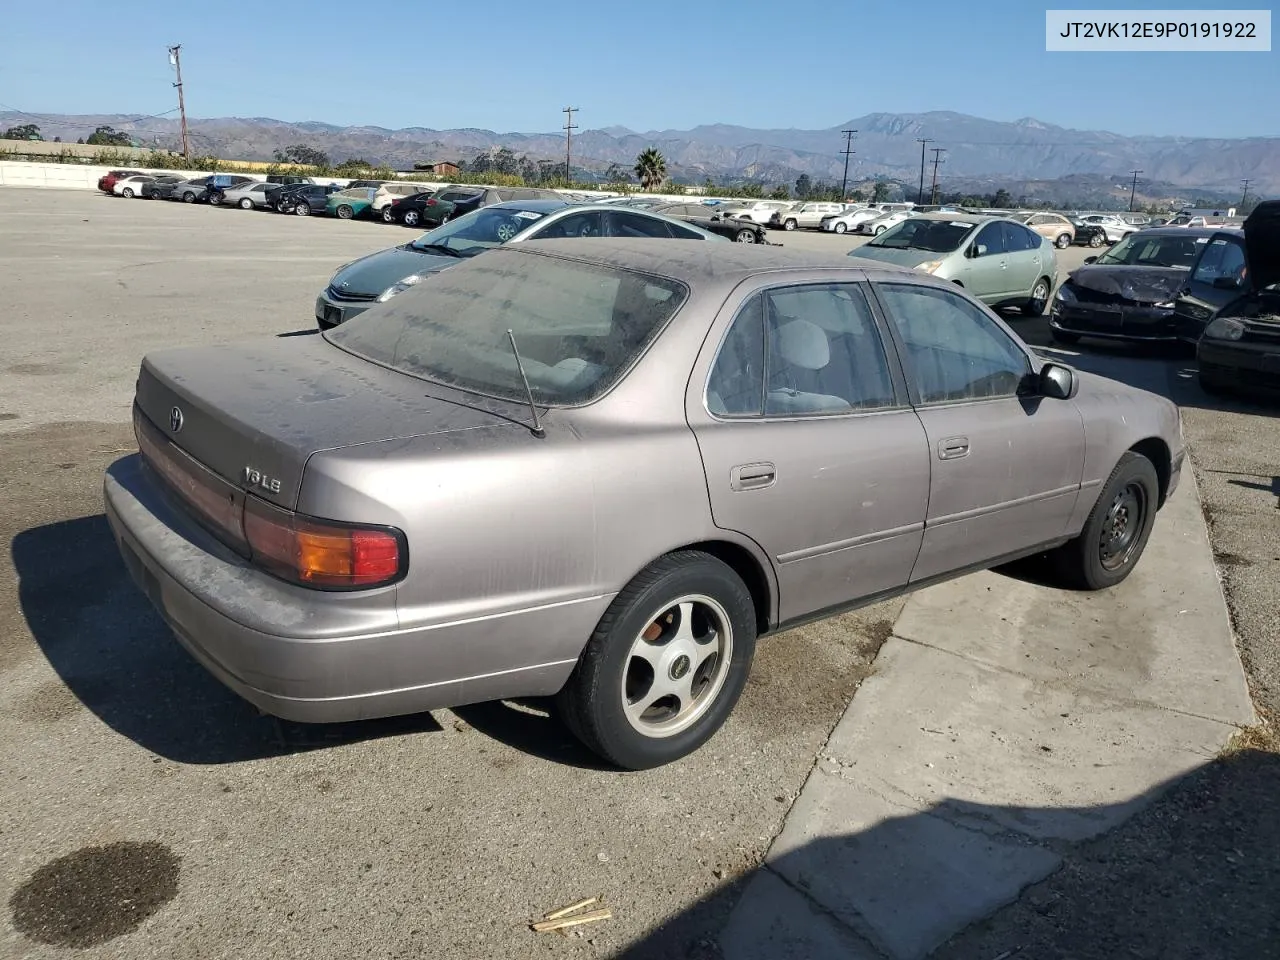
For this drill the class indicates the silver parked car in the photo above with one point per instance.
(378, 277)
(999, 261)
(601, 469)
(248, 195)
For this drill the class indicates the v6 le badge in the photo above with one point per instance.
(256, 478)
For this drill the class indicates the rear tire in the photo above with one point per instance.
(1211, 385)
(246, 203)
(1039, 299)
(127, 193)
(302, 210)
(387, 215)
(1097, 240)
(412, 218)
(1116, 533)
(345, 212)
(624, 664)
(188, 197)
(1063, 241)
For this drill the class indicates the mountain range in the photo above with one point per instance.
(885, 145)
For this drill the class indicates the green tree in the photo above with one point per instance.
(25, 131)
(780, 192)
(353, 165)
(106, 136)
(302, 155)
(651, 168)
(804, 186)
(672, 187)
(1003, 199)
(617, 173)
(880, 193)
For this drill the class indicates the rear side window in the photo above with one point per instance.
(1221, 258)
(635, 225)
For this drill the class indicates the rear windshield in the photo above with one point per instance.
(578, 326)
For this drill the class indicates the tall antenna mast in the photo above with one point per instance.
(175, 60)
(569, 127)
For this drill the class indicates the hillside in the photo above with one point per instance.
(885, 145)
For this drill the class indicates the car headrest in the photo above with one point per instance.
(804, 344)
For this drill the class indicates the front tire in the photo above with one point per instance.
(302, 210)
(880, 230)
(666, 664)
(1117, 530)
(789, 224)
(345, 212)
(188, 197)
(840, 228)
(246, 203)
(745, 236)
(1211, 385)
(412, 218)
(1063, 241)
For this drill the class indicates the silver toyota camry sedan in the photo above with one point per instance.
(601, 469)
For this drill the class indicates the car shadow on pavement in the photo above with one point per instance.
(300, 333)
(1191, 875)
(531, 726)
(119, 658)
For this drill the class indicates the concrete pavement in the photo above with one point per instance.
(1005, 723)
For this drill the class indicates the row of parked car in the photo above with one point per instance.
(1158, 281)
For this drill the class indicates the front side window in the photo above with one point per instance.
(954, 350)
(578, 326)
(990, 241)
(637, 225)
(1018, 238)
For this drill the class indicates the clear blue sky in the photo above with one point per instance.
(645, 66)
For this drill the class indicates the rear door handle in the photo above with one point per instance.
(752, 476)
(953, 448)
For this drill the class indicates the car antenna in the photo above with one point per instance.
(536, 429)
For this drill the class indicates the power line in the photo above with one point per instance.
(1133, 188)
(1244, 195)
(933, 190)
(175, 58)
(569, 127)
(923, 141)
(847, 151)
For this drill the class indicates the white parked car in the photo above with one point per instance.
(848, 221)
(880, 224)
(1113, 227)
(761, 211)
(247, 195)
(807, 214)
(130, 187)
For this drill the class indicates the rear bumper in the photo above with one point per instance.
(317, 657)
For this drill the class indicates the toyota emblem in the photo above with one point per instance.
(175, 419)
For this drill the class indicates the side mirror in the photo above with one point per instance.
(1226, 283)
(1090, 259)
(1058, 382)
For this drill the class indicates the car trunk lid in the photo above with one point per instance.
(254, 413)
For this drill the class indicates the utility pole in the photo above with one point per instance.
(933, 191)
(1244, 196)
(175, 59)
(1133, 188)
(847, 151)
(569, 127)
(923, 141)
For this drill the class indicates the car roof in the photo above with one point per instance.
(1179, 231)
(695, 261)
(973, 218)
(533, 206)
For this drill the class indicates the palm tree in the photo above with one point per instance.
(651, 168)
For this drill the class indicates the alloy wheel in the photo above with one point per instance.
(677, 666)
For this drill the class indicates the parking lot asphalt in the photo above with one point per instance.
(437, 835)
(430, 836)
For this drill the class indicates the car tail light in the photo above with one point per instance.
(322, 553)
(431, 203)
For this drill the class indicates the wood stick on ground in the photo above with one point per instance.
(571, 908)
(590, 916)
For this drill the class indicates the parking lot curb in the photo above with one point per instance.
(1005, 723)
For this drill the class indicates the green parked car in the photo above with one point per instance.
(352, 202)
(996, 259)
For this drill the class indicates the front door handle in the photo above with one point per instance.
(752, 476)
(953, 448)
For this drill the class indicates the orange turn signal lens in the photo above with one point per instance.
(320, 553)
